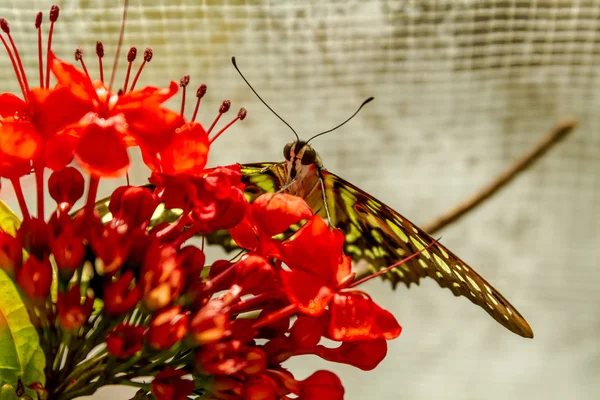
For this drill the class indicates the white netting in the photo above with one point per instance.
(462, 88)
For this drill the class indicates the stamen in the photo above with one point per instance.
(148, 53)
(240, 115)
(183, 82)
(131, 55)
(222, 110)
(6, 29)
(38, 26)
(199, 94)
(100, 54)
(15, 68)
(79, 57)
(54, 11)
(384, 270)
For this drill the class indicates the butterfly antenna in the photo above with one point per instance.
(260, 98)
(352, 116)
(121, 34)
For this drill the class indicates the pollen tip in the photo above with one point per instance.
(132, 54)
(184, 81)
(201, 91)
(78, 54)
(54, 11)
(148, 53)
(38, 20)
(100, 49)
(225, 106)
(242, 113)
(4, 25)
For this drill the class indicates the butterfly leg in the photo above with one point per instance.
(322, 183)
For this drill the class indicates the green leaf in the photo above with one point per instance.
(20, 353)
(9, 222)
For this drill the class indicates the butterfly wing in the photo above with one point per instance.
(376, 233)
(381, 236)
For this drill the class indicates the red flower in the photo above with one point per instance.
(269, 215)
(185, 153)
(119, 297)
(215, 199)
(112, 124)
(19, 141)
(167, 327)
(125, 340)
(169, 385)
(72, 314)
(317, 265)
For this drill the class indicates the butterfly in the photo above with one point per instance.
(376, 233)
(373, 231)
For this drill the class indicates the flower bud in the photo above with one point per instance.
(69, 252)
(167, 328)
(162, 276)
(261, 388)
(220, 358)
(119, 297)
(35, 277)
(133, 204)
(34, 235)
(66, 186)
(11, 253)
(169, 384)
(125, 340)
(210, 324)
(111, 245)
(71, 313)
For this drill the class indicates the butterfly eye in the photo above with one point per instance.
(287, 151)
(309, 156)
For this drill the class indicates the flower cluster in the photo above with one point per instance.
(119, 294)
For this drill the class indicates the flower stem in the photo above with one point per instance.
(91, 198)
(20, 198)
(39, 184)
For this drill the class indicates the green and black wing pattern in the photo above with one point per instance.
(376, 233)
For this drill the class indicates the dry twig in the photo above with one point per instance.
(558, 132)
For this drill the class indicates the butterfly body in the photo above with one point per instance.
(376, 233)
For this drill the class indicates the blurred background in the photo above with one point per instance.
(462, 89)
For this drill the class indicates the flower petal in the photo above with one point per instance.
(354, 316)
(101, 151)
(276, 212)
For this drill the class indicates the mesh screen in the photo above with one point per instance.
(462, 88)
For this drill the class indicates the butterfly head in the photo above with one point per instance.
(300, 158)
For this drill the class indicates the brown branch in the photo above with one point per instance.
(557, 133)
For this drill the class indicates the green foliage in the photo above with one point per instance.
(20, 353)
